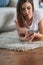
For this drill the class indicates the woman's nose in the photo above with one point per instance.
(26, 11)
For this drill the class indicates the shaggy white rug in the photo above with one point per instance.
(10, 40)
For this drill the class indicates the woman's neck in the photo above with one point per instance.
(29, 21)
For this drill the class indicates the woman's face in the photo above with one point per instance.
(27, 10)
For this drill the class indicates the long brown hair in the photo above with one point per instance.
(19, 14)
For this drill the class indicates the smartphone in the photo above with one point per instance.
(30, 31)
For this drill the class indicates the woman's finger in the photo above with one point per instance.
(30, 37)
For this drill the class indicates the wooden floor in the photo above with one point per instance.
(31, 57)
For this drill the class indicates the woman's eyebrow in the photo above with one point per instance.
(24, 7)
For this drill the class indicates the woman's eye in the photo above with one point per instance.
(23, 9)
(28, 8)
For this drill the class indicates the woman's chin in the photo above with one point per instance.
(28, 17)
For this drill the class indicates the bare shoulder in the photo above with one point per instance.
(41, 22)
(41, 25)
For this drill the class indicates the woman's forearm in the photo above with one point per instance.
(39, 35)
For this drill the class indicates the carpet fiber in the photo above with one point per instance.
(10, 40)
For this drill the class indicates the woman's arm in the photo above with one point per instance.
(21, 32)
(41, 26)
(40, 34)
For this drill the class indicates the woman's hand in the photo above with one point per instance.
(30, 36)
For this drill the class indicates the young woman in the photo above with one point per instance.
(29, 22)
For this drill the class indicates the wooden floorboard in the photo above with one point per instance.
(31, 57)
